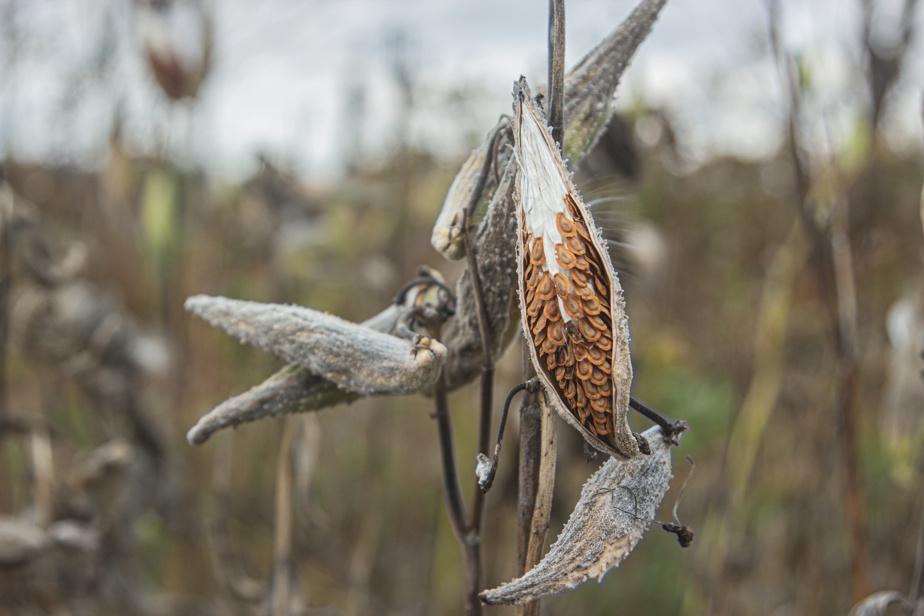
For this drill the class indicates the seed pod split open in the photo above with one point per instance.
(571, 301)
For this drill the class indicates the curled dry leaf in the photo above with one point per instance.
(571, 302)
(616, 507)
(589, 90)
(878, 603)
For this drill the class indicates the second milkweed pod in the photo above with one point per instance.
(587, 320)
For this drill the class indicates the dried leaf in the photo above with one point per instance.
(616, 507)
(878, 603)
(571, 302)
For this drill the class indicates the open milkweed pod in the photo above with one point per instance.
(571, 303)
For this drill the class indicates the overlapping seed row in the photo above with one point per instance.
(575, 352)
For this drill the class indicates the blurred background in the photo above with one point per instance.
(299, 151)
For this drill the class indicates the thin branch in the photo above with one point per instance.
(487, 468)
(487, 369)
(556, 79)
(671, 429)
(448, 458)
(282, 538)
(6, 283)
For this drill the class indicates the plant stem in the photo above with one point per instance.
(6, 283)
(557, 69)
(485, 485)
(471, 537)
(282, 540)
(532, 524)
(448, 459)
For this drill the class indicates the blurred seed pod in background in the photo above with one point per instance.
(178, 39)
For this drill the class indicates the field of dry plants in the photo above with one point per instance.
(574, 367)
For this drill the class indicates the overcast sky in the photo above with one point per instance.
(283, 69)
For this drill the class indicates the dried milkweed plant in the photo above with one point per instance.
(531, 246)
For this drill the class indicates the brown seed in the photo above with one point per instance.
(592, 306)
(585, 292)
(540, 338)
(548, 346)
(539, 324)
(579, 278)
(599, 405)
(532, 277)
(588, 330)
(569, 389)
(550, 311)
(597, 323)
(592, 391)
(556, 333)
(598, 377)
(582, 231)
(533, 308)
(546, 289)
(565, 225)
(575, 245)
(562, 285)
(573, 307)
(565, 257)
(604, 343)
(580, 262)
(584, 369)
(566, 355)
(596, 356)
(536, 254)
(551, 362)
(560, 374)
(580, 398)
(580, 352)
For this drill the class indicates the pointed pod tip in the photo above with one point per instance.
(196, 303)
(196, 435)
